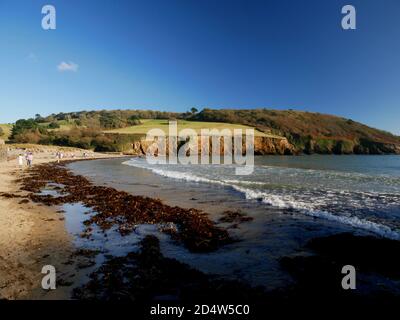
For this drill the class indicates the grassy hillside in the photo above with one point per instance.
(63, 125)
(148, 124)
(109, 130)
(310, 132)
(106, 119)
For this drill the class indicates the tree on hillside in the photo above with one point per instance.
(110, 120)
(194, 110)
(60, 116)
(23, 125)
(27, 131)
(134, 120)
(39, 118)
(54, 125)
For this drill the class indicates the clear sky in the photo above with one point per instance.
(173, 55)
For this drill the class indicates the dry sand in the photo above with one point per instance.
(31, 236)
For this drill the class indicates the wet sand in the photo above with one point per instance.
(39, 237)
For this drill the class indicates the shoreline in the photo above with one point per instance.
(39, 236)
(125, 211)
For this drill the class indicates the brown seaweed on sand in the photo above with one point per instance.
(121, 209)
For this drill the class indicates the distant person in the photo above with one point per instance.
(20, 161)
(58, 156)
(29, 159)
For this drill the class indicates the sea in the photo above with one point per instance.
(291, 199)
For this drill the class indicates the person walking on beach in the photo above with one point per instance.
(29, 159)
(20, 161)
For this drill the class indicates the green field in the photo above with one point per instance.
(6, 130)
(148, 124)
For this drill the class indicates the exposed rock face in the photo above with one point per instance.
(362, 146)
(262, 146)
(368, 147)
(266, 145)
(281, 146)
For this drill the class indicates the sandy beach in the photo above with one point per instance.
(32, 235)
(35, 224)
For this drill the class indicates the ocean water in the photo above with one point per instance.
(292, 200)
(361, 191)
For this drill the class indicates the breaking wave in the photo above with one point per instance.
(288, 202)
(304, 202)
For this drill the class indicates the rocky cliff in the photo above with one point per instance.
(311, 132)
(345, 146)
(281, 146)
(266, 145)
(262, 146)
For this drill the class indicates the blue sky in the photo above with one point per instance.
(173, 55)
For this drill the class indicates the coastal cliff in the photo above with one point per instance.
(344, 146)
(267, 145)
(281, 146)
(262, 146)
(311, 132)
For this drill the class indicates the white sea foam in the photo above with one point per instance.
(288, 202)
(259, 183)
(356, 222)
(282, 201)
(278, 201)
(174, 174)
(183, 176)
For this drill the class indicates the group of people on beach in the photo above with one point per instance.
(28, 157)
(59, 156)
